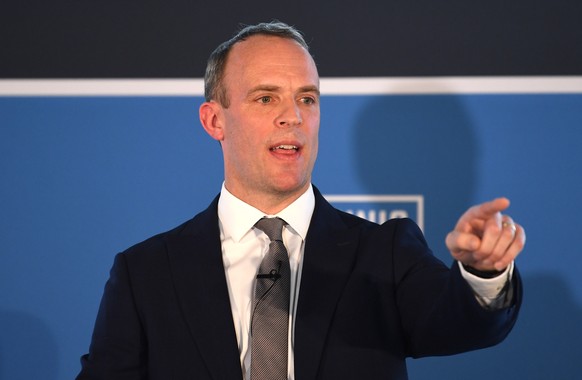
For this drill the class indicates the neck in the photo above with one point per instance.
(268, 203)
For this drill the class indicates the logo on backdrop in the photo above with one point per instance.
(380, 208)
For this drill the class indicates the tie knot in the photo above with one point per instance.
(273, 227)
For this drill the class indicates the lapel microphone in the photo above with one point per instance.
(273, 274)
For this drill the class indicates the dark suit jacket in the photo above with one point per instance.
(370, 296)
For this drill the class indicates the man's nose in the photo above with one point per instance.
(290, 115)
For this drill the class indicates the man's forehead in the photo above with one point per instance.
(265, 53)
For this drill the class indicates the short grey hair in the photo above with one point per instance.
(213, 86)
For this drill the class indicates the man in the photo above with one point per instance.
(362, 297)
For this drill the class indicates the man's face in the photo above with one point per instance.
(270, 129)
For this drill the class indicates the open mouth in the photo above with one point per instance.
(285, 148)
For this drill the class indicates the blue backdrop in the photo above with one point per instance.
(85, 177)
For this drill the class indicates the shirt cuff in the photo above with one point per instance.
(487, 289)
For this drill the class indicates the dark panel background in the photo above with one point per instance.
(172, 38)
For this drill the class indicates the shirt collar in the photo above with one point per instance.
(238, 217)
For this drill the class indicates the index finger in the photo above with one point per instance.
(484, 210)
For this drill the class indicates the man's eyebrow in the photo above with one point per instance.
(274, 88)
(310, 88)
(263, 87)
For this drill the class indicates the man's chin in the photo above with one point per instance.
(291, 187)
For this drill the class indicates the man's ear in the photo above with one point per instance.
(212, 119)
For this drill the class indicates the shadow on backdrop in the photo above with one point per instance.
(28, 349)
(427, 145)
(419, 145)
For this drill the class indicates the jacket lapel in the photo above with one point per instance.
(198, 271)
(197, 268)
(328, 260)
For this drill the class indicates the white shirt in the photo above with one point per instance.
(243, 249)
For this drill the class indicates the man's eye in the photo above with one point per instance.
(265, 99)
(308, 100)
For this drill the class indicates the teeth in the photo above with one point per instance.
(286, 147)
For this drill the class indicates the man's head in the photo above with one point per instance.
(266, 116)
(213, 86)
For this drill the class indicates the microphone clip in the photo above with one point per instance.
(273, 275)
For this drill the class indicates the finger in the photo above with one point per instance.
(483, 211)
(513, 250)
(466, 258)
(491, 234)
(503, 240)
(458, 242)
(463, 256)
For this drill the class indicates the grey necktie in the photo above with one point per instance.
(270, 318)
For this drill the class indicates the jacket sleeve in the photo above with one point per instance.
(118, 347)
(438, 309)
